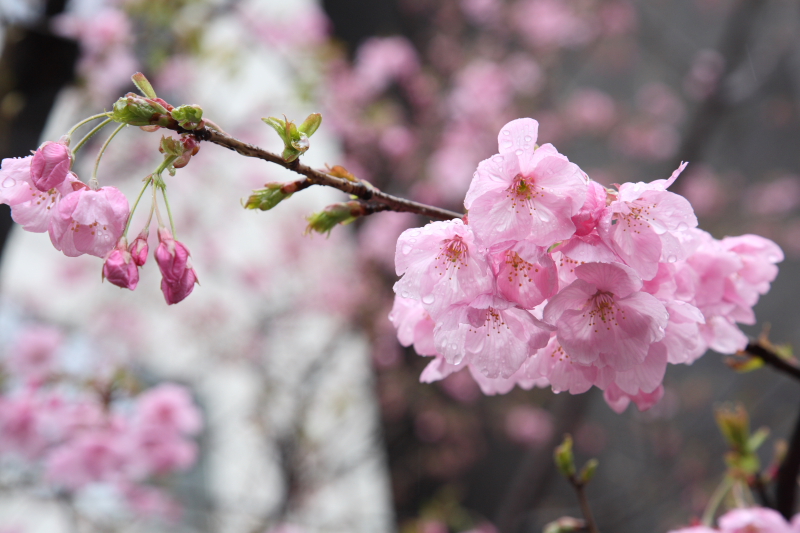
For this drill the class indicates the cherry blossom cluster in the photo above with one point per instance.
(76, 431)
(750, 520)
(552, 279)
(45, 195)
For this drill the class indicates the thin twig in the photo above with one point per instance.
(580, 490)
(360, 189)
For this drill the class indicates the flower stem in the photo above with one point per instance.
(90, 135)
(85, 121)
(103, 149)
(169, 212)
(141, 193)
(716, 500)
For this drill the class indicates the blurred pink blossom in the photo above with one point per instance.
(775, 198)
(528, 425)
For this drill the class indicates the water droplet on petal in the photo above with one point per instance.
(404, 294)
(498, 159)
(683, 226)
(412, 241)
(406, 249)
(518, 152)
(414, 232)
(506, 132)
(9, 182)
(544, 216)
(671, 259)
(428, 299)
(528, 138)
(454, 347)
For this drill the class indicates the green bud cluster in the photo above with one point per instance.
(295, 138)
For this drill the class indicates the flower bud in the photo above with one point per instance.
(50, 165)
(138, 248)
(178, 277)
(271, 195)
(189, 117)
(343, 213)
(119, 267)
(565, 460)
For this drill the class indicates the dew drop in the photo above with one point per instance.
(683, 226)
(544, 216)
(406, 249)
(415, 232)
(506, 132)
(428, 299)
(412, 241)
(9, 182)
(528, 138)
(404, 294)
(518, 152)
(498, 159)
(454, 347)
(671, 259)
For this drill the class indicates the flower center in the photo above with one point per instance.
(452, 256)
(604, 311)
(523, 192)
(518, 266)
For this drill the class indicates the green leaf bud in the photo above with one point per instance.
(326, 220)
(564, 458)
(588, 471)
(143, 85)
(268, 197)
(311, 124)
(189, 117)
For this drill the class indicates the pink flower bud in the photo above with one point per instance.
(173, 261)
(50, 165)
(138, 248)
(119, 268)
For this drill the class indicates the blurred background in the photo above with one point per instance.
(315, 419)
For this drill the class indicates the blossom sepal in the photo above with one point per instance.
(119, 267)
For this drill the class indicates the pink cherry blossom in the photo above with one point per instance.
(178, 277)
(413, 324)
(33, 353)
(526, 274)
(89, 221)
(441, 265)
(119, 267)
(753, 520)
(490, 334)
(554, 365)
(603, 315)
(30, 207)
(93, 456)
(50, 165)
(168, 408)
(528, 425)
(642, 223)
(525, 192)
(619, 400)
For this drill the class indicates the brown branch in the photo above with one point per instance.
(761, 349)
(360, 189)
(580, 490)
(786, 481)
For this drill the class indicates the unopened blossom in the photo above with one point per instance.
(178, 276)
(491, 334)
(642, 224)
(119, 267)
(525, 192)
(89, 221)
(603, 316)
(50, 165)
(441, 265)
(138, 248)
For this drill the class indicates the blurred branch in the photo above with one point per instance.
(530, 482)
(786, 482)
(733, 49)
(362, 190)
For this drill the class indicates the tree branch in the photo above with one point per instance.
(760, 348)
(361, 189)
(786, 482)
